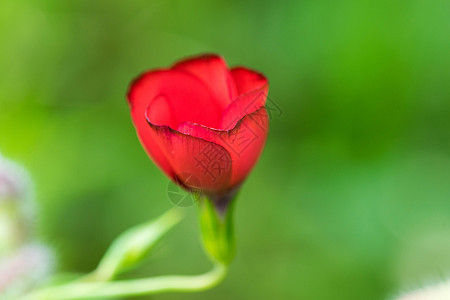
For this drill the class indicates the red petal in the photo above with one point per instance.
(137, 101)
(174, 97)
(244, 142)
(198, 164)
(168, 105)
(213, 71)
(247, 80)
(244, 105)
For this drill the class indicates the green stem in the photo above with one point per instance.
(132, 245)
(135, 287)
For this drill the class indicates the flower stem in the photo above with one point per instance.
(135, 287)
(216, 222)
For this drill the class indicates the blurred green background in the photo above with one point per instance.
(351, 197)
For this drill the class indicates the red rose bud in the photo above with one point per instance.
(205, 126)
(202, 123)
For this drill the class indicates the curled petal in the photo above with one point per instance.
(244, 105)
(199, 165)
(244, 142)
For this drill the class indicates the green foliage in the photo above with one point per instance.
(133, 246)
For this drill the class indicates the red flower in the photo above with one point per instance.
(203, 124)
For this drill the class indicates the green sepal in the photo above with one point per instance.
(217, 229)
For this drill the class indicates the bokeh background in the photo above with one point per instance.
(351, 197)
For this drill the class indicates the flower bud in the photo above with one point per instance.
(200, 119)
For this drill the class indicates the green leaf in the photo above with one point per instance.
(132, 246)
